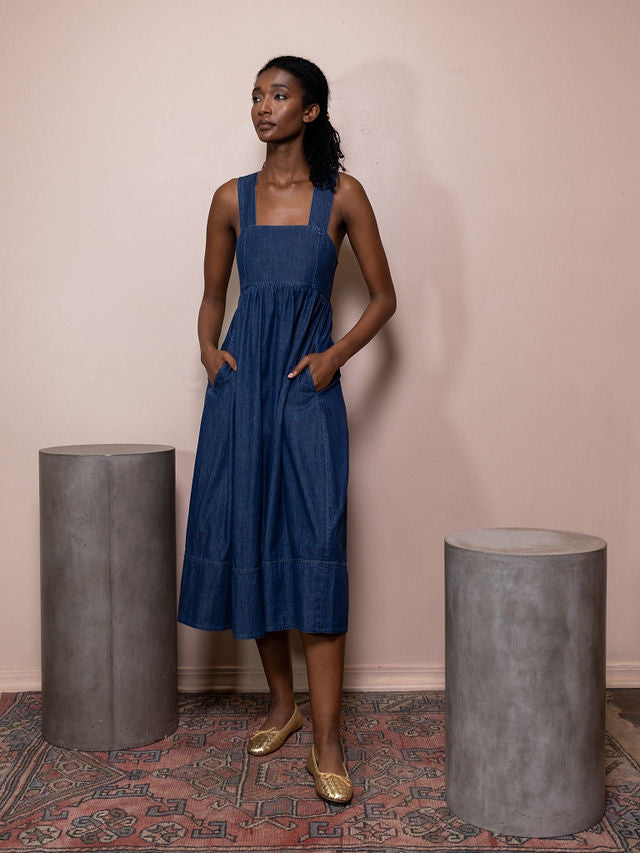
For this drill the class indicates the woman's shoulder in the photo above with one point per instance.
(227, 189)
(350, 194)
(225, 197)
(349, 189)
(347, 183)
(228, 192)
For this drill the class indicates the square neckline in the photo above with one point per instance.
(319, 211)
(307, 224)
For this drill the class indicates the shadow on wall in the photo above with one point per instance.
(349, 300)
(401, 393)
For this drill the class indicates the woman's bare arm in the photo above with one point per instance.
(362, 230)
(218, 261)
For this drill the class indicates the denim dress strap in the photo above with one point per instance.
(321, 206)
(247, 200)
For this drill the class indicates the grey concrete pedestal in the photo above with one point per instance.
(525, 679)
(108, 593)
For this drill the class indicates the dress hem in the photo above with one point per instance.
(254, 636)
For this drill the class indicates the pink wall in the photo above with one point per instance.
(498, 141)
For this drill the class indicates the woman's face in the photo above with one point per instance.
(278, 113)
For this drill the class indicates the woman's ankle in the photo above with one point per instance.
(282, 702)
(329, 753)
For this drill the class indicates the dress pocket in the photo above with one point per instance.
(223, 374)
(334, 379)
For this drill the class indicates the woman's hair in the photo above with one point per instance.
(321, 140)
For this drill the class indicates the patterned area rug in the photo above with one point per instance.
(199, 789)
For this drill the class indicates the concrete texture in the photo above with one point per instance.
(108, 593)
(525, 679)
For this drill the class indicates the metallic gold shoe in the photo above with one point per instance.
(264, 741)
(330, 786)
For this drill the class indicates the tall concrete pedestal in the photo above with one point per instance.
(525, 679)
(108, 593)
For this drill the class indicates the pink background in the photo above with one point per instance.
(498, 142)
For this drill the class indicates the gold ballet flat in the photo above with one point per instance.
(264, 741)
(330, 786)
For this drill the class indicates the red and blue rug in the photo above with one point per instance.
(199, 789)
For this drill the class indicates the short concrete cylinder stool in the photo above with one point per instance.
(108, 594)
(525, 679)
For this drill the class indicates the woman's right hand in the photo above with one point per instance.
(213, 359)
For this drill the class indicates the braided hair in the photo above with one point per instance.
(321, 140)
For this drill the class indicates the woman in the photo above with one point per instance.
(266, 534)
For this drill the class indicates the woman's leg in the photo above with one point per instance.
(276, 662)
(324, 654)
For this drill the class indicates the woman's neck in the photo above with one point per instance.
(285, 164)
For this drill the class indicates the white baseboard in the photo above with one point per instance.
(251, 679)
(369, 677)
(623, 675)
(19, 680)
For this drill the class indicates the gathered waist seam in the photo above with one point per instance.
(284, 284)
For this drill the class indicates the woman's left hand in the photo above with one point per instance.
(322, 367)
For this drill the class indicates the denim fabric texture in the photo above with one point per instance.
(266, 531)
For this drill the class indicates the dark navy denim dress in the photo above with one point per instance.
(266, 531)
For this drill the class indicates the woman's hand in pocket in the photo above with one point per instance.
(213, 360)
(322, 367)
